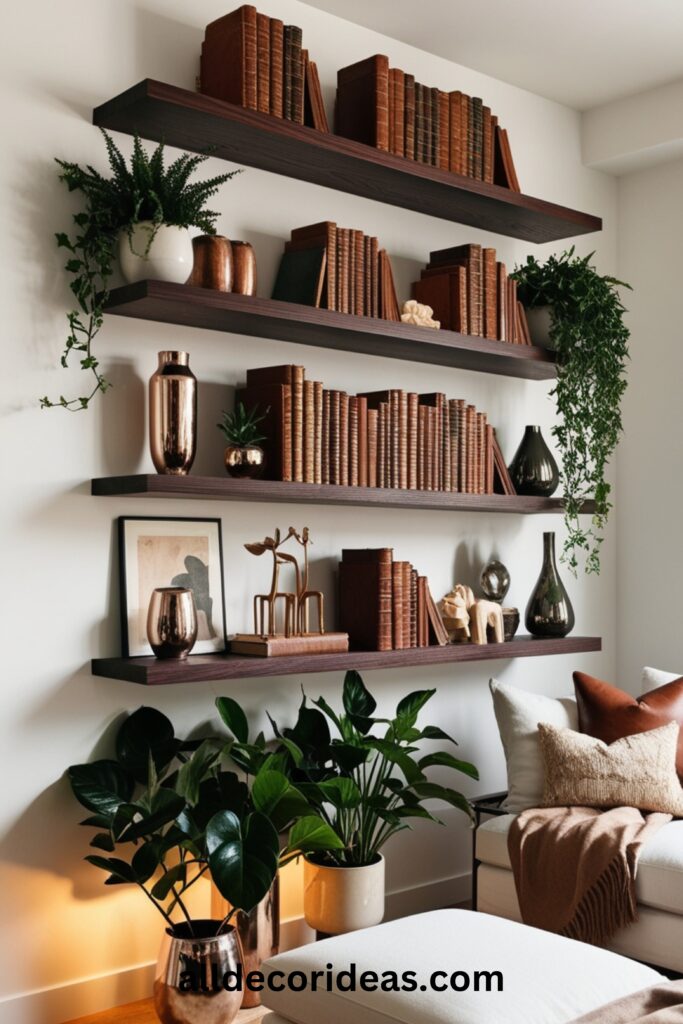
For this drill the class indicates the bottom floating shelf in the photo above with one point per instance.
(217, 667)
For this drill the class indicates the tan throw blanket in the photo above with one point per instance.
(661, 1004)
(575, 868)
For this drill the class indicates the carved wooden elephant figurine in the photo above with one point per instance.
(483, 614)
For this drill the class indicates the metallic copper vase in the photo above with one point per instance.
(244, 268)
(549, 612)
(245, 460)
(188, 988)
(259, 933)
(172, 622)
(173, 414)
(212, 267)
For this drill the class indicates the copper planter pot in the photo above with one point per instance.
(188, 986)
(212, 267)
(173, 414)
(245, 460)
(259, 933)
(244, 268)
(172, 622)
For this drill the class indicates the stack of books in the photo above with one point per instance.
(470, 292)
(386, 605)
(386, 108)
(259, 63)
(337, 268)
(392, 438)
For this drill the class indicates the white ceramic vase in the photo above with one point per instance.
(167, 257)
(539, 320)
(339, 900)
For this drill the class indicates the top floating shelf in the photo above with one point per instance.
(189, 120)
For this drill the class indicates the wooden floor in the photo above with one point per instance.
(142, 1012)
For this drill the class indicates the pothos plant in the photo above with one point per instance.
(366, 782)
(147, 190)
(167, 812)
(591, 340)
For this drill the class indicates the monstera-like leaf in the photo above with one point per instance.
(243, 857)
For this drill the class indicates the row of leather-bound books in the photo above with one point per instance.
(260, 63)
(392, 438)
(384, 604)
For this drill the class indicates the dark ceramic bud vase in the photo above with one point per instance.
(533, 469)
(549, 612)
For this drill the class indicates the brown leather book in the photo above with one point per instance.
(523, 324)
(335, 440)
(352, 271)
(325, 439)
(315, 115)
(422, 448)
(435, 127)
(293, 376)
(422, 618)
(477, 162)
(276, 67)
(420, 124)
(263, 62)
(229, 62)
(445, 446)
(436, 626)
(353, 442)
(511, 310)
(359, 272)
(487, 143)
(472, 450)
(365, 598)
(395, 441)
(397, 112)
(394, 312)
(462, 446)
(409, 115)
(465, 133)
(382, 444)
(296, 72)
(454, 143)
(374, 276)
(471, 256)
(309, 433)
(444, 130)
(397, 604)
(317, 431)
(435, 401)
(455, 442)
(470, 137)
(435, 291)
(428, 123)
(287, 73)
(407, 591)
(413, 607)
(504, 172)
(362, 110)
(501, 301)
(489, 459)
(373, 416)
(392, 123)
(312, 236)
(480, 482)
(413, 405)
(275, 400)
(429, 448)
(284, 646)
(367, 275)
(362, 405)
(502, 480)
(343, 438)
(490, 294)
(403, 440)
(345, 279)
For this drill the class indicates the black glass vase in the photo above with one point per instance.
(549, 611)
(533, 469)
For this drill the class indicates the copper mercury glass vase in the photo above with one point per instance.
(172, 622)
(173, 414)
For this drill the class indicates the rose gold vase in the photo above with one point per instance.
(244, 268)
(173, 414)
(212, 267)
(259, 933)
(172, 622)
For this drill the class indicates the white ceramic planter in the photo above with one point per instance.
(338, 900)
(539, 321)
(169, 257)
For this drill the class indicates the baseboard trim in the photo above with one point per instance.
(61, 1003)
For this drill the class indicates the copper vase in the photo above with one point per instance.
(192, 964)
(259, 933)
(212, 266)
(244, 268)
(245, 460)
(173, 414)
(172, 622)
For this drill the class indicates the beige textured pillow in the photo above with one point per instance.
(636, 771)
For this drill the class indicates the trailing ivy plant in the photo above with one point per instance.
(591, 340)
(148, 190)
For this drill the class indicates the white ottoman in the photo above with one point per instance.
(546, 979)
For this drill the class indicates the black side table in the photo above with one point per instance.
(483, 806)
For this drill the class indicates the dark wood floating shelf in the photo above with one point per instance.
(288, 321)
(207, 667)
(225, 488)
(191, 121)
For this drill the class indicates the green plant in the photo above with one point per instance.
(171, 812)
(591, 339)
(241, 427)
(145, 191)
(364, 786)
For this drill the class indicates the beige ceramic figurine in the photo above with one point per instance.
(468, 619)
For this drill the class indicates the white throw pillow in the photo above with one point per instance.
(654, 677)
(518, 714)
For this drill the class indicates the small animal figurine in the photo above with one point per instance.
(296, 603)
(465, 618)
(417, 313)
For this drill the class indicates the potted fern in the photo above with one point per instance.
(143, 215)
(244, 456)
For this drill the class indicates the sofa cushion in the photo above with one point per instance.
(659, 879)
(547, 979)
(518, 714)
(608, 713)
(653, 677)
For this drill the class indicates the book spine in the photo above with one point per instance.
(454, 117)
(381, 444)
(406, 586)
(454, 441)
(276, 67)
(481, 453)
(501, 301)
(476, 166)
(489, 459)
(409, 115)
(446, 445)
(344, 439)
(367, 275)
(345, 278)
(419, 123)
(353, 442)
(263, 62)
(471, 448)
(429, 448)
(331, 269)
(324, 435)
(462, 446)
(372, 447)
(403, 439)
(309, 432)
(474, 287)
(487, 143)
(362, 441)
(512, 312)
(298, 424)
(413, 607)
(397, 604)
(297, 72)
(444, 130)
(413, 404)
(335, 470)
(395, 428)
(288, 49)
(437, 451)
(374, 275)
(435, 140)
(359, 273)
(421, 448)
(490, 294)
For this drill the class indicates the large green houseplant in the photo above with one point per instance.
(131, 206)
(588, 333)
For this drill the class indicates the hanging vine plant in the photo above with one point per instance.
(588, 332)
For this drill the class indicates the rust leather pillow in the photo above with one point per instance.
(609, 714)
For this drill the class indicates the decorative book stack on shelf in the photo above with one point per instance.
(385, 605)
(471, 293)
(259, 63)
(337, 268)
(386, 108)
(391, 439)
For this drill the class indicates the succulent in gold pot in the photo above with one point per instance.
(244, 456)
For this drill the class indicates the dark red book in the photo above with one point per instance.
(362, 111)
(365, 598)
(229, 58)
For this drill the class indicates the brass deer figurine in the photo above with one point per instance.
(296, 614)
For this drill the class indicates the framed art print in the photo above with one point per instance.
(161, 552)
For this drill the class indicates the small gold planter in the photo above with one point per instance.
(172, 622)
(188, 988)
(245, 460)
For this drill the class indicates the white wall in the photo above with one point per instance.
(650, 553)
(59, 587)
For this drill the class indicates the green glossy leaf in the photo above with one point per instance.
(313, 835)
(331, 714)
(243, 857)
(342, 793)
(358, 702)
(448, 761)
(409, 708)
(119, 869)
(234, 718)
(103, 841)
(398, 756)
(430, 790)
(101, 786)
(174, 876)
(162, 809)
(146, 860)
(348, 756)
(194, 771)
(146, 732)
(433, 732)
